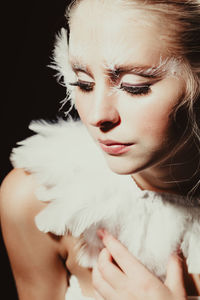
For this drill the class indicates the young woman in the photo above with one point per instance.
(132, 70)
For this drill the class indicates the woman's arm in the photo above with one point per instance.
(35, 257)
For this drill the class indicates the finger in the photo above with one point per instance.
(126, 261)
(97, 296)
(174, 279)
(102, 288)
(109, 271)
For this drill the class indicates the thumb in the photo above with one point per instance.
(175, 279)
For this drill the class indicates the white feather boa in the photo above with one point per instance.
(85, 195)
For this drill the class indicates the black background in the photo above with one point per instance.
(29, 90)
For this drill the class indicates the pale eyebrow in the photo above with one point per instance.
(143, 71)
(78, 67)
(115, 71)
(166, 66)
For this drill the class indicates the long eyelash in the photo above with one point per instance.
(136, 90)
(133, 90)
(85, 87)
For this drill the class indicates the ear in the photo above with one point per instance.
(60, 63)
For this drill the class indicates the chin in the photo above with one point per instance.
(122, 167)
(130, 165)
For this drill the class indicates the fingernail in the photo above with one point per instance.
(101, 233)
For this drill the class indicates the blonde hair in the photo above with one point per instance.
(181, 19)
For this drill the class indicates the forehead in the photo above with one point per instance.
(114, 34)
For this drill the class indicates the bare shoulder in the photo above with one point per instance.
(16, 177)
(18, 193)
(36, 258)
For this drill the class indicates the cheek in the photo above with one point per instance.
(81, 107)
(153, 120)
(153, 123)
(153, 114)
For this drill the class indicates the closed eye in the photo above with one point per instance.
(84, 86)
(87, 87)
(136, 89)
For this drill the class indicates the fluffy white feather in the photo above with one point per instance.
(60, 63)
(85, 195)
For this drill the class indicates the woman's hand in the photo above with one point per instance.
(120, 276)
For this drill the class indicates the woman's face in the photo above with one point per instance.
(125, 89)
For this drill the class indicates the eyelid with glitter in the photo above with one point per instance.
(142, 89)
(84, 86)
(135, 84)
(126, 84)
(83, 81)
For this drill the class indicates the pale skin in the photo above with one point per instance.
(41, 262)
(105, 100)
(116, 282)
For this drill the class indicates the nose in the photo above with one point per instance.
(104, 113)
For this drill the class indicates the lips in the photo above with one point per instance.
(114, 147)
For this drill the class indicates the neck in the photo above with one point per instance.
(178, 175)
